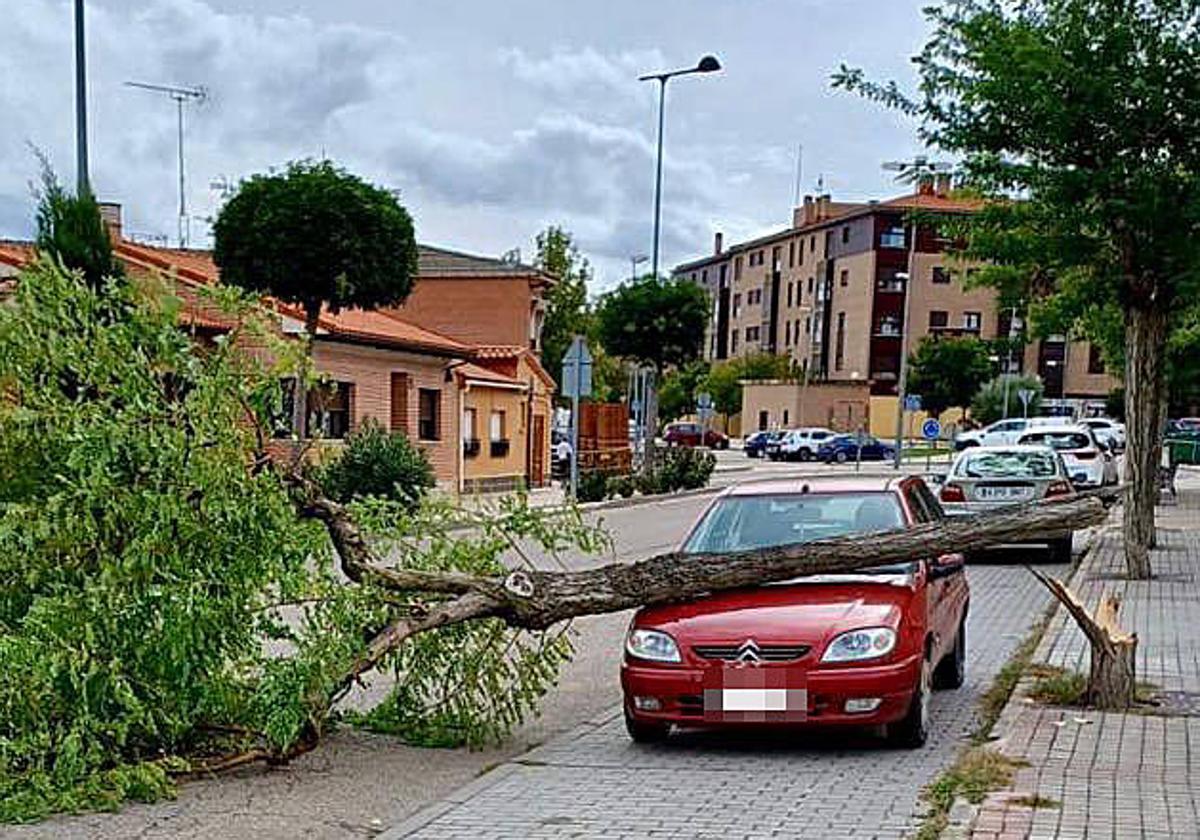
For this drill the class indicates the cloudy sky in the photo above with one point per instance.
(493, 118)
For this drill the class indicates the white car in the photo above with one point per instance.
(1003, 432)
(800, 444)
(1108, 432)
(1089, 463)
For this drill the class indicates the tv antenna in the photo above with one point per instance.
(223, 187)
(180, 95)
(918, 170)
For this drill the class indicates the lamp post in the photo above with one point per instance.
(634, 261)
(81, 147)
(708, 64)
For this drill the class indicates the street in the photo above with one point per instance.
(560, 774)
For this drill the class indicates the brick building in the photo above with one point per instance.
(828, 291)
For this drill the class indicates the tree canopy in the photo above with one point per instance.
(1079, 118)
(724, 380)
(947, 372)
(987, 406)
(677, 393)
(70, 229)
(567, 312)
(654, 321)
(316, 235)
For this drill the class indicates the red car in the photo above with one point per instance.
(693, 434)
(861, 649)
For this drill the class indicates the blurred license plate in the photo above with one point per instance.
(1003, 494)
(755, 694)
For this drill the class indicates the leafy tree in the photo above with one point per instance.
(567, 312)
(947, 372)
(677, 394)
(70, 228)
(654, 321)
(1088, 112)
(988, 404)
(724, 380)
(317, 236)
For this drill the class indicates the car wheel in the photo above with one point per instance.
(912, 731)
(723, 444)
(1061, 549)
(952, 671)
(842, 457)
(806, 454)
(646, 732)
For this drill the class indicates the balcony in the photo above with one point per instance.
(470, 447)
(892, 239)
(499, 448)
(895, 287)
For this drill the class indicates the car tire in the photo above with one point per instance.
(806, 454)
(842, 457)
(646, 732)
(1062, 548)
(952, 670)
(912, 731)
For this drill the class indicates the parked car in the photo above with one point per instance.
(1089, 463)
(693, 434)
(861, 649)
(772, 450)
(755, 446)
(1109, 432)
(844, 448)
(986, 477)
(801, 444)
(1003, 431)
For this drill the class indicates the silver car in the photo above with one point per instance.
(987, 477)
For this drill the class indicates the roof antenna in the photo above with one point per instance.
(799, 164)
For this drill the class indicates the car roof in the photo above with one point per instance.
(1006, 447)
(1053, 429)
(841, 484)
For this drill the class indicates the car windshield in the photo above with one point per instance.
(743, 523)
(1059, 440)
(1008, 464)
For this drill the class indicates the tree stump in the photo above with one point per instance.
(1112, 679)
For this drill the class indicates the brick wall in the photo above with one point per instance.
(474, 310)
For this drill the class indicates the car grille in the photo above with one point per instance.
(766, 653)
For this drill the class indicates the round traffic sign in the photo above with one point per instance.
(931, 429)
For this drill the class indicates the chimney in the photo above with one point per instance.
(823, 202)
(810, 210)
(110, 215)
(925, 186)
(718, 241)
(942, 183)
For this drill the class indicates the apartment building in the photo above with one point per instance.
(829, 292)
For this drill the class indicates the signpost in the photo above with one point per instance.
(1026, 394)
(931, 430)
(577, 383)
(704, 410)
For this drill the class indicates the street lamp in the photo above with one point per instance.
(708, 64)
(634, 261)
(82, 184)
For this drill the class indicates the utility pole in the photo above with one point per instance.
(82, 182)
(180, 95)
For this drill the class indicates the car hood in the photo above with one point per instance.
(810, 612)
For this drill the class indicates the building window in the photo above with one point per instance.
(939, 319)
(787, 334)
(703, 277)
(845, 278)
(791, 291)
(812, 244)
(752, 334)
(972, 321)
(737, 269)
(892, 237)
(498, 434)
(807, 322)
(399, 405)
(791, 253)
(733, 341)
(840, 355)
(810, 285)
(845, 234)
(470, 433)
(889, 326)
(775, 257)
(1095, 359)
(941, 274)
(429, 414)
(737, 303)
(889, 282)
(329, 410)
(785, 417)
(763, 419)
(801, 248)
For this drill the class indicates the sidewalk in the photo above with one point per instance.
(1112, 775)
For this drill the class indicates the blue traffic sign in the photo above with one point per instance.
(931, 429)
(912, 402)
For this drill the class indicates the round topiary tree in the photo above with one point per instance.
(317, 236)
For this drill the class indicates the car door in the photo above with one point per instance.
(946, 592)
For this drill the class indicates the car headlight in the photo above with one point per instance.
(858, 645)
(652, 645)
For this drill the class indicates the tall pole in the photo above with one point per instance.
(82, 184)
(1012, 329)
(183, 225)
(662, 101)
(902, 382)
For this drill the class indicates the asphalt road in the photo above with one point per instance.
(357, 784)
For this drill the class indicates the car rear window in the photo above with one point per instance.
(742, 523)
(1059, 440)
(1008, 464)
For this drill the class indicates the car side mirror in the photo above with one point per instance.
(946, 565)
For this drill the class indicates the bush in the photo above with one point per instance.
(988, 404)
(593, 487)
(687, 469)
(381, 464)
(621, 485)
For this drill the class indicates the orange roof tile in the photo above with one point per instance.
(16, 254)
(477, 373)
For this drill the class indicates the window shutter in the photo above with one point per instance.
(399, 402)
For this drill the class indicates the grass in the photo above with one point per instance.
(1056, 686)
(1036, 800)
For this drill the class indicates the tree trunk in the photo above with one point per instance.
(1112, 679)
(1145, 348)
